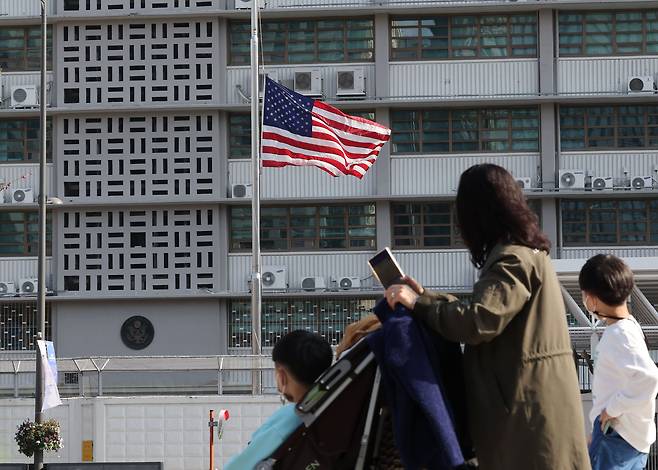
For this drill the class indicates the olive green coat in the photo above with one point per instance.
(522, 389)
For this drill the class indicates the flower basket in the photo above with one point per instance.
(31, 436)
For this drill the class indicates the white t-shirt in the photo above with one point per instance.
(625, 383)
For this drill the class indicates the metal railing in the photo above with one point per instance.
(96, 376)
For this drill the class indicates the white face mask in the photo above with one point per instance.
(594, 339)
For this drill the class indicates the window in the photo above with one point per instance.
(610, 222)
(240, 132)
(299, 228)
(18, 326)
(327, 317)
(20, 140)
(465, 130)
(418, 225)
(20, 48)
(608, 33)
(464, 37)
(306, 41)
(608, 127)
(239, 135)
(425, 225)
(19, 233)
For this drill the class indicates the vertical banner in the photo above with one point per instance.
(51, 397)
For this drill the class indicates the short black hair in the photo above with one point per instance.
(306, 355)
(608, 278)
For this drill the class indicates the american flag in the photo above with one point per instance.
(300, 131)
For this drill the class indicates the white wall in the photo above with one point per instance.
(600, 75)
(469, 78)
(172, 430)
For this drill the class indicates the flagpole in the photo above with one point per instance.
(256, 287)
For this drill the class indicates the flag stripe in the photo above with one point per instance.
(366, 123)
(309, 149)
(320, 142)
(331, 120)
(354, 139)
(279, 154)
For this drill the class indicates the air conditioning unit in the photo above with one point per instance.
(28, 286)
(308, 82)
(524, 182)
(24, 96)
(22, 196)
(313, 283)
(571, 179)
(246, 4)
(641, 84)
(351, 82)
(348, 282)
(602, 182)
(274, 75)
(7, 288)
(275, 278)
(241, 191)
(642, 182)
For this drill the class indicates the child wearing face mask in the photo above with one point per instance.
(625, 377)
(300, 357)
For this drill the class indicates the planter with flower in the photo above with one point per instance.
(31, 436)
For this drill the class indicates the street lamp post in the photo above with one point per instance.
(41, 302)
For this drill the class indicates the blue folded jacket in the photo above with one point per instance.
(410, 359)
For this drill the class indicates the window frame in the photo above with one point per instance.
(614, 32)
(455, 241)
(649, 121)
(417, 129)
(450, 48)
(25, 130)
(288, 227)
(22, 65)
(288, 27)
(30, 241)
(650, 219)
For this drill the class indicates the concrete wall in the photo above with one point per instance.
(172, 430)
(190, 327)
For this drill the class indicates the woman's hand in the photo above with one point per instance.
(402, 294)
(414, 284)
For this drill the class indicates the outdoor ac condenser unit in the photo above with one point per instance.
(642, 182)
(7, 288)
(641, 84)
(28, 286)
(524, 182)
(22, 196)
(348, 282)
(308, 82)
(24, 96)
(571, 179)
(602, 182)
(350, 82)
(241, 191)
(275, 277)
(313, 283)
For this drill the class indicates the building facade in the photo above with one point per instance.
(149, 149)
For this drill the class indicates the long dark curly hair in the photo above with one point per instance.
(492, 209)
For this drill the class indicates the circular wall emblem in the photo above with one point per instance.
(137, 332)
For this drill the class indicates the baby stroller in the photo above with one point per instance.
(339, 414)
(346, 422)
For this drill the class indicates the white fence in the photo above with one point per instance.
(171, 430)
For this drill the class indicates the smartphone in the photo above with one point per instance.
(386, 268)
